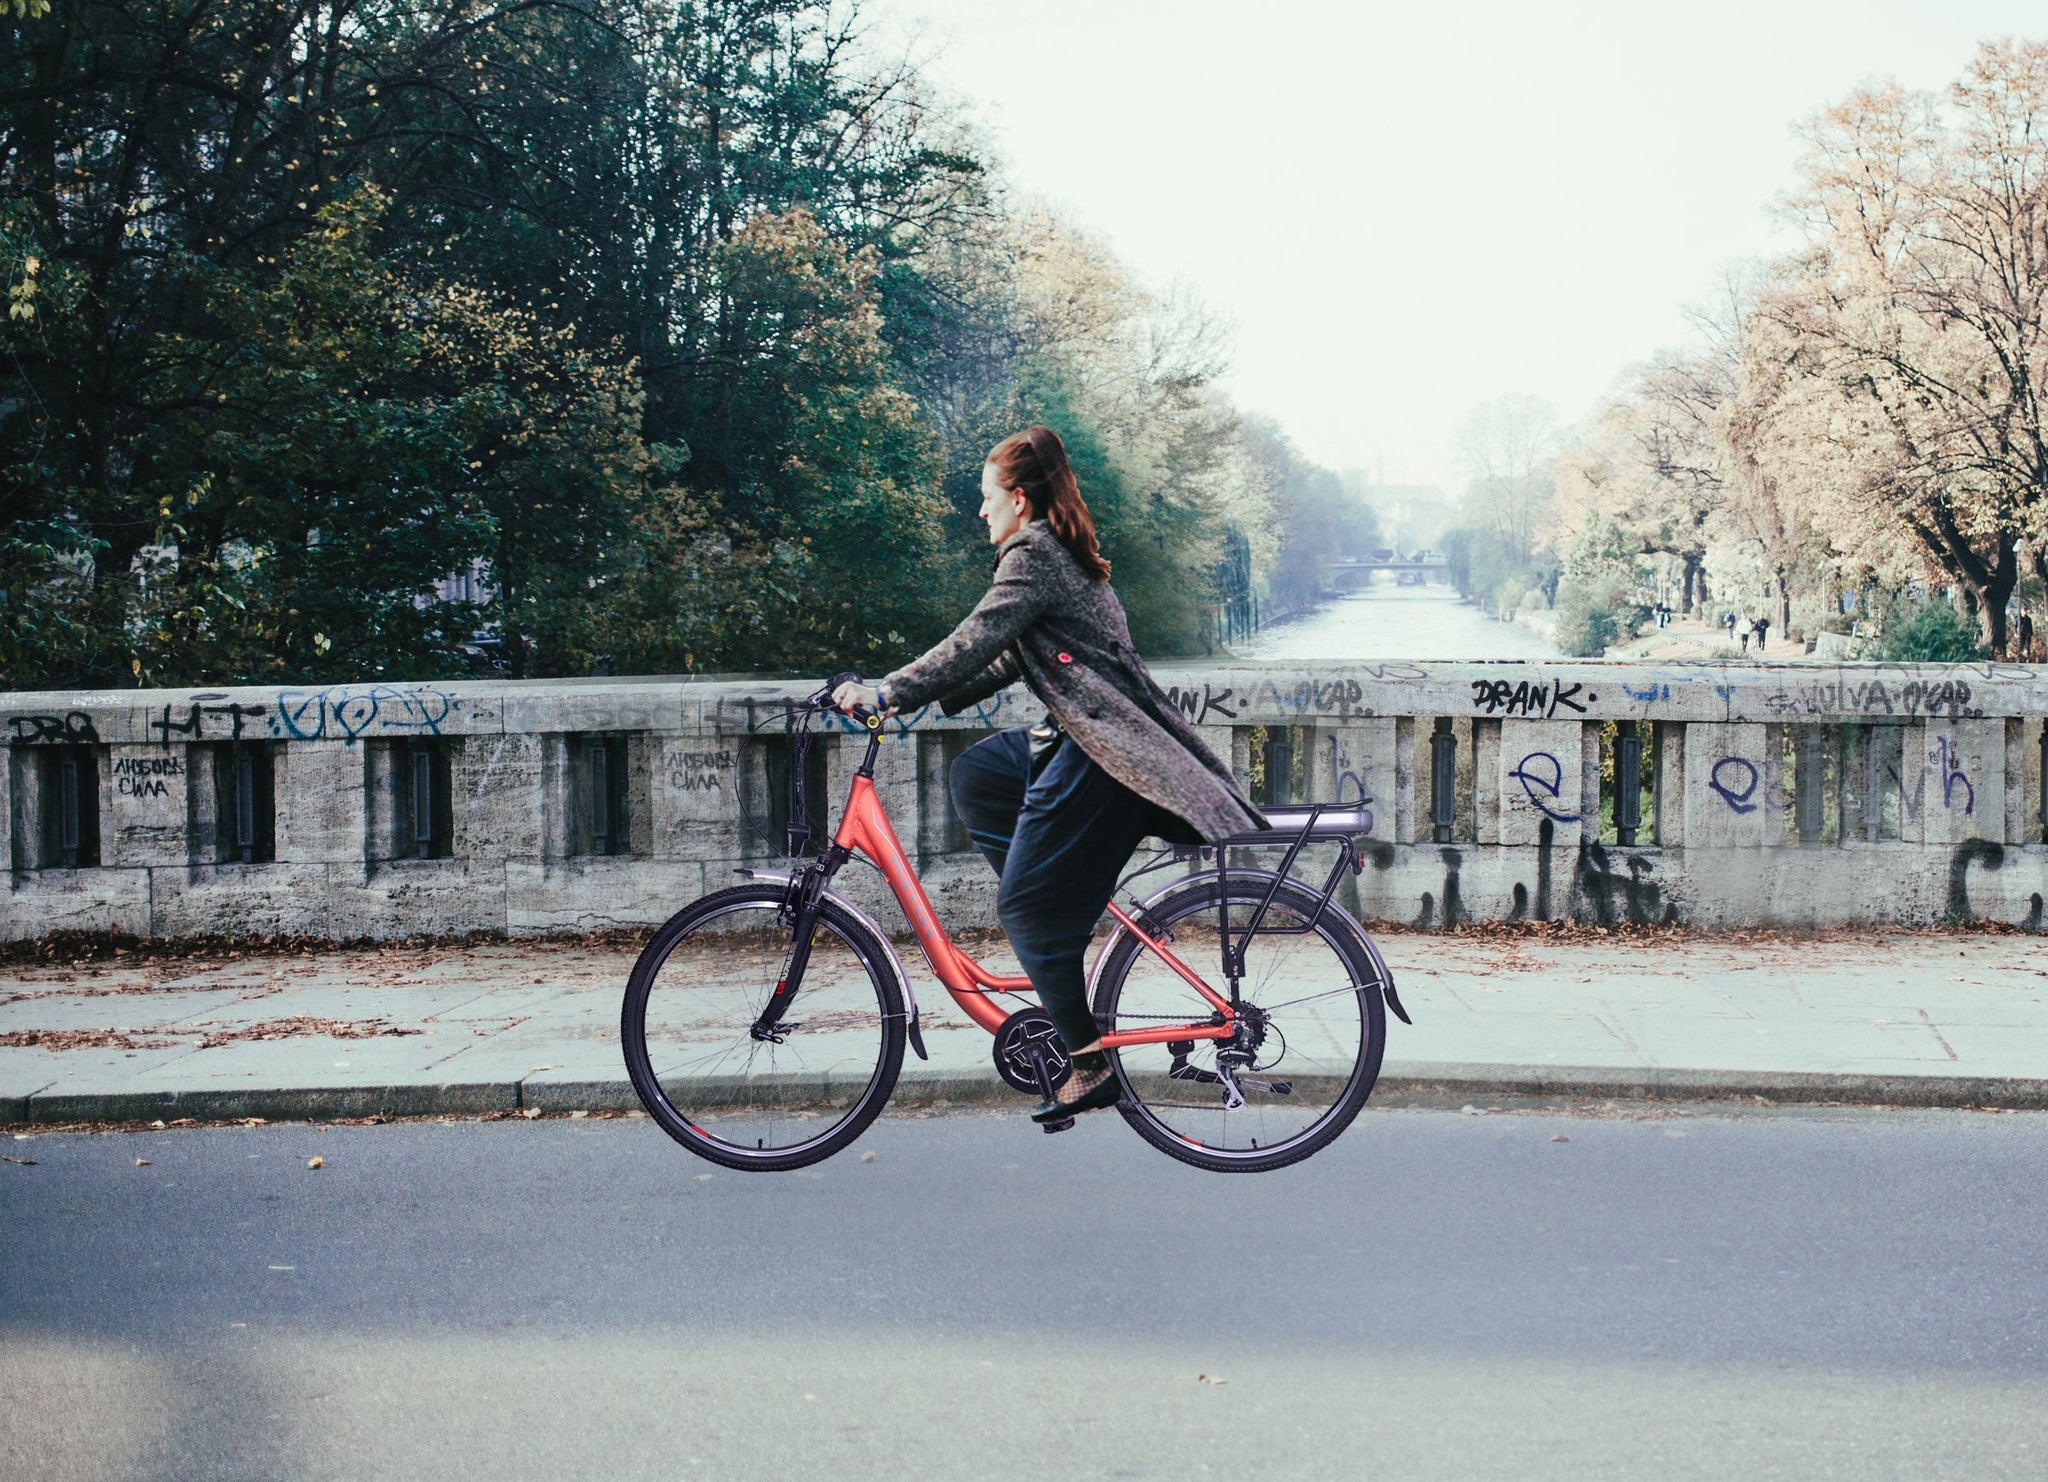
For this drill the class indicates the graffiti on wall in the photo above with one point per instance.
(1872, 696)
(345, 714)
(1196, 707)
(1542, 777)
(145, 776)
(1952, 777)
(1734, 780)
(1526, 700)
(699, 771)
(1955, 782)
(70, 729)
(192, 725)
(1343, 777)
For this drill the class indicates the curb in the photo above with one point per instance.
(1419, 1084)
(1569, 1083)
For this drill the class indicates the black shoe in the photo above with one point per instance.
(1089, 1088)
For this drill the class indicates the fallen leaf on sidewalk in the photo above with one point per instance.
(530, 1112)
(81, 1039)
(142, 1162)
(254, 1122)
(24, 1162)
(1210, 1379)
(1560, 1138)
(157, 1125)
(305, 1024)
(316, 1162)
(868, 1157)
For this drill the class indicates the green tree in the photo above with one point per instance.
(1926, 631)
(345, 435)
(1598, 603)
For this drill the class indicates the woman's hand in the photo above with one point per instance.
(850, 694)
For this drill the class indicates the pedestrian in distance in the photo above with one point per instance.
(1763, 629)
(1745, 641)
(2025, 631)
(1058, 808)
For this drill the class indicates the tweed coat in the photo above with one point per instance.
(1046, 621)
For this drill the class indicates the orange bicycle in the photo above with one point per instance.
(764, 1026)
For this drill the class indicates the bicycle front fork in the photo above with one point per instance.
(804, 906)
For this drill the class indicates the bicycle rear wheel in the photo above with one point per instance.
(750, 1103)
(1314, 1029)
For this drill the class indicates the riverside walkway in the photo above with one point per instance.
(1557, 1016)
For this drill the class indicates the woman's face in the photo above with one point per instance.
(1006, 510)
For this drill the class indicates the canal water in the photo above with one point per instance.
(1389, 622)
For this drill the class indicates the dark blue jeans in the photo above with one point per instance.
(1058, 841)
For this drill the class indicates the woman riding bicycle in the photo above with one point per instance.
(1058, 808)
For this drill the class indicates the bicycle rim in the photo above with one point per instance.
(752, 1103)
(1305, 1065)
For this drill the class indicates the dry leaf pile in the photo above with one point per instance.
(83, 1039)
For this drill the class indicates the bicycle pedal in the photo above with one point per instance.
(1060, 1126)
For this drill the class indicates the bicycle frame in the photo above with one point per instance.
(865, 827)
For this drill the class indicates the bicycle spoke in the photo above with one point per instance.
(1346, 991)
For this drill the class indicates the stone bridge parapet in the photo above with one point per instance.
(1715, 794)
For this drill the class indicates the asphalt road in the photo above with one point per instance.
(1437, 1296)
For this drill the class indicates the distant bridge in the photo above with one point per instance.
(1350, 575)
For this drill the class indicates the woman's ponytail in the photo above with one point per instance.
(1035, 460)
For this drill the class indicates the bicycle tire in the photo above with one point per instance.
(720, 1096)
(1147, 1091)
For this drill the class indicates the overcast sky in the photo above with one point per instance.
(1407, 210)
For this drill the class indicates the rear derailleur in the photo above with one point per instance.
(1233, 1059)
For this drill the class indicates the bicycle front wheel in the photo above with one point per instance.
(1313, 1029)
(762, 1104)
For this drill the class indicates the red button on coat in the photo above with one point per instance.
(1066, 658)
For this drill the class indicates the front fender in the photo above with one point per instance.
(784, 877)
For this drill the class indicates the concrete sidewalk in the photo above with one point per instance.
(1886, 1019)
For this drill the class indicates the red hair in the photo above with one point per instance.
(1035, 460)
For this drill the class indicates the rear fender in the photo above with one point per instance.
(1346, 921)
(783, 877)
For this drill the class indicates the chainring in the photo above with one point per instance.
(1017, 1037)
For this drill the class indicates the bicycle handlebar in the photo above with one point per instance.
(867, 715)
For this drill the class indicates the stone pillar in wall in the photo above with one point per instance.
(322, 806)
(145, 813)
(694, 797)
(1404, 824)
(1539, 777)
(1726, 799)
(1486, 780)
(2016, 781)
(1355, 762)
(1667, 742)
(497, 780)
(1960, 777)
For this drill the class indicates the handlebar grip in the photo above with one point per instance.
(867, 715)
